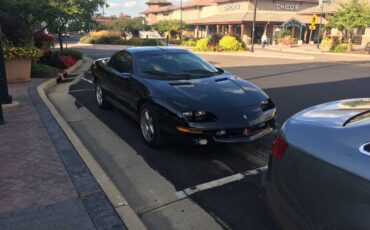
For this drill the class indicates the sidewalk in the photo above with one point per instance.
(312, 49)
(43, 182)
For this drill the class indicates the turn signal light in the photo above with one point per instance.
(189, 130)
(279, 146)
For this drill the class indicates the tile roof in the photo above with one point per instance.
(158, 2)
(160, 9)
(310, 1)
(196, 3)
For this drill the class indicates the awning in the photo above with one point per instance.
(248, 17)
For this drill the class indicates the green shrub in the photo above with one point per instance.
(230, 43)
(175, 41)
(72, 52)
(21, 52)
(41, 70)
(85, 39)
(141, 42)
(107, 39)
(189, 42)
(327, 42)
(339, 48)
(202, 44)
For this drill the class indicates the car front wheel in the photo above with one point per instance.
(100, 97)
(149, 126)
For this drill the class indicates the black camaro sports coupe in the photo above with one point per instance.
(176, 95)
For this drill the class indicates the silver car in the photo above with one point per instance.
(319, 170)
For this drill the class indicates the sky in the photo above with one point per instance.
(130, 7)
(134, 7)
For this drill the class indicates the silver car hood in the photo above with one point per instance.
(333, 113)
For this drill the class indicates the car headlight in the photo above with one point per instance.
(198, 116)
(266, 105)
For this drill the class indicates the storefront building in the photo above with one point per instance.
(207, 17)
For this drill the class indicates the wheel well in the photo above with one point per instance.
(140, 103)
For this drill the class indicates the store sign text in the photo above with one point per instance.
(234, 6)
(286, 6)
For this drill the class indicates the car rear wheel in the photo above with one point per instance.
(100, 97)
(149, 126)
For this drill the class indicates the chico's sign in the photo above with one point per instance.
(287, 6)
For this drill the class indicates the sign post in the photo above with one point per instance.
(4, 95)
(254, 25)
(313, 20)
(321, 5)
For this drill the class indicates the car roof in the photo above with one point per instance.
(141, 49)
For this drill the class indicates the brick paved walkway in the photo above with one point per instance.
(31, 171)
(42, 178)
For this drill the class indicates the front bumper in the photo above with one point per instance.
(235, 135)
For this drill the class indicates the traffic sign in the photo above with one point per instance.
(312, 27)
(313, 19)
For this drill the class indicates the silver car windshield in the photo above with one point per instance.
(173, 65)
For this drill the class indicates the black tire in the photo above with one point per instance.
(101, 97)
(155, 139)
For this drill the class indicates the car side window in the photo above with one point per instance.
(122, 62)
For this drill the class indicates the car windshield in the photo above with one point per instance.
(173, 65)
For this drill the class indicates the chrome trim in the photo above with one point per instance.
(362, 149)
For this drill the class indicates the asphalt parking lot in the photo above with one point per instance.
(292, 84)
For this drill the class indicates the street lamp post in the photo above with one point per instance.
(254, 25)
(321, 13)
(180, 18)
(4, 95)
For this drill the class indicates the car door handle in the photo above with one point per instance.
(365, 149)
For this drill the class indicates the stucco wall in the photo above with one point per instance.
(207, 11)
(366, 37)
(266, 6)
(283, 6)
(228, 8)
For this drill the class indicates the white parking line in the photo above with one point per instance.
(216, 183)
(88, 80)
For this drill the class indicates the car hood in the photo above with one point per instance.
(334, 113)
(222, 92)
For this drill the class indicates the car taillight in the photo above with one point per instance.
(278, 147)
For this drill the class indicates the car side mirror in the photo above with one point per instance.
(124, 75)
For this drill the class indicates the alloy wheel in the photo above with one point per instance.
(99, 94)
(147, 126)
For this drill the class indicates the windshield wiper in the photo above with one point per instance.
(158, 73)
(200, 71)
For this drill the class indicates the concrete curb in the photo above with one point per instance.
(256, 55)
(11, 105)
(319, 52)
(74, 67)
(126, 213)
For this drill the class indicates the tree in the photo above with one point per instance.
(69, 10)
(131, 25)
(171, 26)
(22, 19)
(352, 15)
